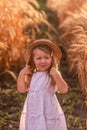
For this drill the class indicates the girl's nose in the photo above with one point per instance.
(43, 60)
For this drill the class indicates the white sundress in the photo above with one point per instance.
(42, 110)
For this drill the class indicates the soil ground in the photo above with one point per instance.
(11, 104)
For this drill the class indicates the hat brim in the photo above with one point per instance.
(31, 46)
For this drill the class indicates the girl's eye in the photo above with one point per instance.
(47, 57)
(39, 58)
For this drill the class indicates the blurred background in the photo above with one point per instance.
(65, 23)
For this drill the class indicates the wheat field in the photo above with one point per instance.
(72, 17)
(18, 21)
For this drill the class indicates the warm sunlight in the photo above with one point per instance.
(64, 22)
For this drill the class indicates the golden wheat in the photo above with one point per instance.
(73, 24)
(18, 19)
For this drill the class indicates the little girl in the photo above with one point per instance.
(41, 79)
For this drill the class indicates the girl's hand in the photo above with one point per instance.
(61, 85)
(53, 72)
(26, 70)
(24, 79)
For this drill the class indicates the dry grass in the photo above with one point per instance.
(17, 16)
(73, 24)
(63, 7)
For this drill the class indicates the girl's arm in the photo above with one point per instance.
(23, 80)
(60, 83)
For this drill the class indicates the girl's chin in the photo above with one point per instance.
(42, 70)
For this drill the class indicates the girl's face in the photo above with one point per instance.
(42, 60)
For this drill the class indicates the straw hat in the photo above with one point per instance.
(31, 46)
